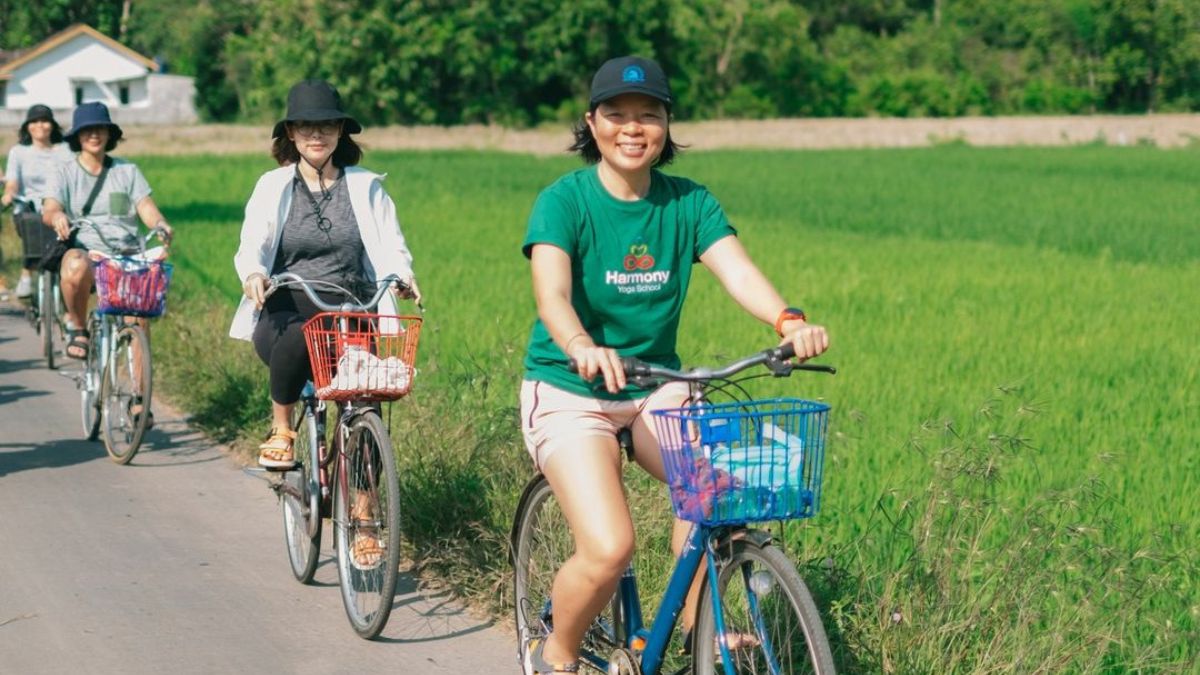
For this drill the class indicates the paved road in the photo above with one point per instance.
(175, 563)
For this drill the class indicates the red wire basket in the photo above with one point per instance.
(362, 357)
(131, 287)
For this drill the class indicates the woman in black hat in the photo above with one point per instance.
(323, 218)
(122, 198)
(611, 249)
(32, 163)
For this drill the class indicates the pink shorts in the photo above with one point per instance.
(552, 418)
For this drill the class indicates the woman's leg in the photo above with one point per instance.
(586, 479)
(75, 279)
(649, 457)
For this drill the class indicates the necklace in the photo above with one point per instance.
(324, 224)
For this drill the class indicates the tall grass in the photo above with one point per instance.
(955, 536)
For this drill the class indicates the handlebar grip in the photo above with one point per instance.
(785, 352)
(633, 367)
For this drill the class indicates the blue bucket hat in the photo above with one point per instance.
(94, 114)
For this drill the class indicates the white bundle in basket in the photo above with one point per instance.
(777, 462)
(360, 370)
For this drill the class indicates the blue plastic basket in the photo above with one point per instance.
(744, 462)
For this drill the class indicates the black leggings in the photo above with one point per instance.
(279, 341)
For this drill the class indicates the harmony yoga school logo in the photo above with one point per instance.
(639, 275)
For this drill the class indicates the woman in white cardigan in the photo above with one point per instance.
(322, 218)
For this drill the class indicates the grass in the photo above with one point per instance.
(1014, 453)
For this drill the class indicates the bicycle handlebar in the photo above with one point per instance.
(776, 359)
(79, 223)
(287, 279)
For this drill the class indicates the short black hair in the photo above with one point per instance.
(347, 152)
(585, 143)
(25, 138)
(114, 136)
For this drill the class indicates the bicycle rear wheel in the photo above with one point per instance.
(126, 380)
(541, 543)
(768, 609)
(46, 304)
(366, 506)
(302, 515)
(89, 383)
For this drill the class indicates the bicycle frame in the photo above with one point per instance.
(650, 644)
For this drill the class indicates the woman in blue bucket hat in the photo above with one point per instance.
(122, 198)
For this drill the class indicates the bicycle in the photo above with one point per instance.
(358, 359)
(728, 465)
(45, 311)
(117, 373)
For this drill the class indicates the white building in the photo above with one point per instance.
(79, 65)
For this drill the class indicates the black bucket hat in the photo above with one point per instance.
(93, 114)
(39, 112)
(629, 74)
(315, 101)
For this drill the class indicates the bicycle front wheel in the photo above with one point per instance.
(126, 383)
(89, 383)
(302, 515)
(541, 543)
(771, 622)
(46, 304)
(366, 516)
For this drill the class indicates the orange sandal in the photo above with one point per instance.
(277, 451)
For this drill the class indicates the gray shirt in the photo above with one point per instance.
(115, 209)
(34, 168)
(328, 249)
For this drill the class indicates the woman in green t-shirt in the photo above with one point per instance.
(611, 248)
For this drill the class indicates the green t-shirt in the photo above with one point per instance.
(630, 267)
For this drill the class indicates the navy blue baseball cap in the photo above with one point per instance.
(93, 114)
(629, 75)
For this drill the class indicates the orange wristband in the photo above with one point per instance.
(788, 314)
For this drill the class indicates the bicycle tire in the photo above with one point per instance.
(541, 543)
(368, 467)
(299, 516)
(89, 385)
(120, 384)
(47, 316)
(771, 580)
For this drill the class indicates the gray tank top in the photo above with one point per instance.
(325, 247)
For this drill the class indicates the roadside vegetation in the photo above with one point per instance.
(1014, 456)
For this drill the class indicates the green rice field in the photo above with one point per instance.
(1014, 458)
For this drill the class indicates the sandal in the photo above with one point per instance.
(366, 551)
(734, 641)
(535, 663)
(80, 340)
(277, 452)
(136, 402)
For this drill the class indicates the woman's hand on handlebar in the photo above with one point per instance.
(408, 289)
(165, 232)
(591, 359)
(61, 224)
(255, 288)
(809, 340)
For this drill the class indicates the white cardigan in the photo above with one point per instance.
(383, 244)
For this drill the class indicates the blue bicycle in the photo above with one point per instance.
(728, 465)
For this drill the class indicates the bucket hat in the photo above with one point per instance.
(39, 112)
(93, 114)
(315, 101)
(629, 74)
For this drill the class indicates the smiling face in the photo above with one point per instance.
(93, 140)
(39, 131)
(630, 131)
(315, 141)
